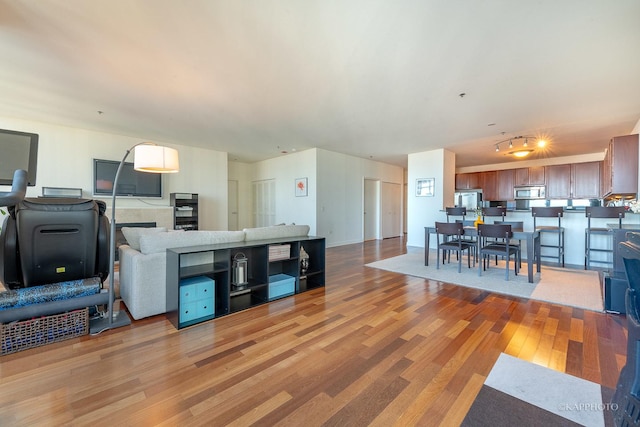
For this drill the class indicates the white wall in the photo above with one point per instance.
(425, 211)
(65, 160)
(285, 170)
(340, 200)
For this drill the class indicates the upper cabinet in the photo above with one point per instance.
(487, 182)
(585, 180)
(568, 181)
(573, 181)
(468, 181)
(530, 176)
(620, 168)
(505, 180)
(558, 181)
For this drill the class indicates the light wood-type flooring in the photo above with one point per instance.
(372, 348)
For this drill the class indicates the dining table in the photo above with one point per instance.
(531, 239)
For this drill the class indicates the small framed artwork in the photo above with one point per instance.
(301, 187)
(425, 187)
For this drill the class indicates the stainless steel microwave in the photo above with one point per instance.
(528, 193)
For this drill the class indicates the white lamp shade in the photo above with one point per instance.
(155, 158)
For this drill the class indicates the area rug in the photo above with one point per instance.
(565, 286)
(519, 393)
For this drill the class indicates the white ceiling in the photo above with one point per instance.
(371, 78)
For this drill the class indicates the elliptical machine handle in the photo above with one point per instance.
(18, 189)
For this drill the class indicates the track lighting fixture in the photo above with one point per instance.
(524, 151)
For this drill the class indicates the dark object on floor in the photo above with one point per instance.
(626, 401)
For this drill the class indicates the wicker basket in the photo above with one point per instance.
(25, 334)
(279, 252)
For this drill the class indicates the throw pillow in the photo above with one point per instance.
(133, 234)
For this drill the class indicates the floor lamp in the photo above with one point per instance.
(148, 157)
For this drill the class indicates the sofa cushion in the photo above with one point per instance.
(275, 232)
(133, 234)
(160, 242)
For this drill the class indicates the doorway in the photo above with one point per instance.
(371, 214)
(232, 196)
(391, 202)
(264, 203)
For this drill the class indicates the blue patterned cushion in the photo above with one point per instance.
(45, 293)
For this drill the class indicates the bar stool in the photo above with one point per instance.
(600, 212)
(550, 212)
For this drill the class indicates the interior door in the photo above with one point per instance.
(391, 202)
(232, 197)
(371, 214)
(264, 202)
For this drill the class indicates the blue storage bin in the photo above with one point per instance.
(281, 285)
(197, 298)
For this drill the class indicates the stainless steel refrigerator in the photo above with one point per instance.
(470, 199)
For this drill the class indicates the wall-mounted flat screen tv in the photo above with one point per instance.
(131, 182)
(18, 150)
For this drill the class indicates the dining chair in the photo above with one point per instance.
(458, 214)
(487, 233)
(495, 211)
(515, 226)
(449, 239)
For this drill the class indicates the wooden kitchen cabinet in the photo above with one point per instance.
(585, 180)
(558, 181)
(505, 180)
(467, 181)
(488, 184)
(573, 181)
(530, 176)
(620, 169)
(536, 175)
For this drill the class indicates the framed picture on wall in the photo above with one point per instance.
(301, 187)
(425, 187)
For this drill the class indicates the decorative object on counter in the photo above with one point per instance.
(634, 205)
(240, 271)
(478, 221)
(525, 149)
(479, 217)
(304, 261)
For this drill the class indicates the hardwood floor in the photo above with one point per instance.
(372, 348)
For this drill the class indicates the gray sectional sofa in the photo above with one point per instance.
(142, 270)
